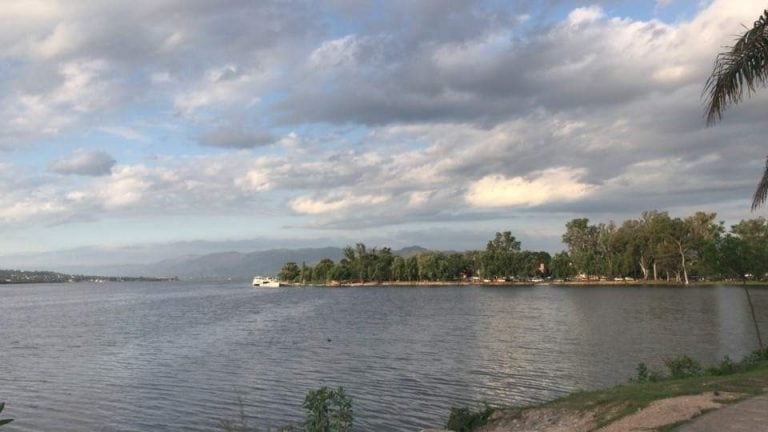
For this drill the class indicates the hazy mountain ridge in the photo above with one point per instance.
(223, 265)
(242, 266)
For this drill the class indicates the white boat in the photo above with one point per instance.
(261, 281)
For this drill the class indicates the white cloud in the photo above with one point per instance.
(336, 53)
(314, 206)
(585, 15)
(227, 85)
(548, 186)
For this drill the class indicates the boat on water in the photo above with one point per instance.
(269, 282)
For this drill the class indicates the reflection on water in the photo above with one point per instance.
(176, 356)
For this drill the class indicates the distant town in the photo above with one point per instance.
(22, 276)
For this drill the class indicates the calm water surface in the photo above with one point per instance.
(176, 356)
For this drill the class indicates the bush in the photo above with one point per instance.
(644, 375)
(4, 421)
(683, 367)
(466, 420)
(755, 357)
(328, 410)
(656, 376)
(725, 367)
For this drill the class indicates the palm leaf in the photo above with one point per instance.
(738, 71)
(761, 193)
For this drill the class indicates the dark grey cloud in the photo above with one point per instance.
(237, 138)
(85, 163)
(491, 69)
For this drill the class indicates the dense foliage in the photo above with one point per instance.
(327, 410)
(686, 367)
(655, 246)
(501, 259)
(658, 246)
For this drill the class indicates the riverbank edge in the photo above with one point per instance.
(610, 405)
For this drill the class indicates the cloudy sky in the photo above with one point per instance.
(398, 122)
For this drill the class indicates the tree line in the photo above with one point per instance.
(655, 246)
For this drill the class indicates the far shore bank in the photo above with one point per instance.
(634, 283)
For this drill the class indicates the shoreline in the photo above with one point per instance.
(636, 283)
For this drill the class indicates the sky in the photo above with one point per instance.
(293, 123)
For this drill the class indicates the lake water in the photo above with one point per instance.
(177, 356)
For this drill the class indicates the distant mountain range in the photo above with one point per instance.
(227, 265)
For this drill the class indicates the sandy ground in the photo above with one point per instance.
(668, 411)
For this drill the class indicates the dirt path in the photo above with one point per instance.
(669, 411)
(748, 416)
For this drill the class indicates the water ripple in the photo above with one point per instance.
(179, 356)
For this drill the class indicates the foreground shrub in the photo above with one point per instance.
(466, 420)
(328, 410)
(683, 367)
(755, 357)
(644, 375)
(725, 367)
(4, 421)
(641, 373)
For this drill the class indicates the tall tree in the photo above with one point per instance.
(581, 239)
(739, 71)
(289, 272)
(499, 255)
(322, 272)
(561, 266)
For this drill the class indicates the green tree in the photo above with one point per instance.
(737, 72)
(305, 273)
(581, 239)
(735, 258)
(412, 268)
(290, 272)
(322, 271)
(381, 269)
(561, 266)
(690, 236)
(361, 262)
(499, 255)
(752, 236)
(341, 272)
(398, 269)
(328, 410)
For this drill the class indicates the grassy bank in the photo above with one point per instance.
(727, 381)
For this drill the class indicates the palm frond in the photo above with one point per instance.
(761, 193)
(740, 70)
